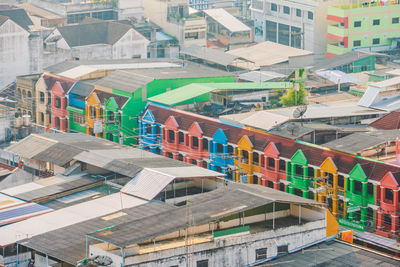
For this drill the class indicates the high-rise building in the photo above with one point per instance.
(365, 25)
(299, 23)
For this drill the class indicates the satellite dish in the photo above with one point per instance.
(292, 128)
(299, 111)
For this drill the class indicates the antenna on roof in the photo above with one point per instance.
(299, 112)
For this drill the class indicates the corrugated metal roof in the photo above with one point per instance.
(31, 146)
(59, 153)
(147, 184)
(21, 212)
(151, 181)
(75, 214)
(208, 54)
(265, 54)
(187, 92)
(260, 76)
(370, 97)
(124, 81)
(224, 18)
(386, 83)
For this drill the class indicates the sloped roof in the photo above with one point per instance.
(389, 121)
(315, 154)
(224, 18)
(124, 80)
(93, 33)
(266, 54)
(19, 16)
(104, 97)
(339, 60)
(3, 19)
(82, 89)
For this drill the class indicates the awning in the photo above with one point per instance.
(76, 110)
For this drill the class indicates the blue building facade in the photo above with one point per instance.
(149, 133)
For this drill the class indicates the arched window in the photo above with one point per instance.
(23, 95)
(29, 94)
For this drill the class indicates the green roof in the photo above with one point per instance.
(194, 90)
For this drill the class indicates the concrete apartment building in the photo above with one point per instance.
(300, 23)
(76, 10)
(173, 16)
(93, 40)
(366, 25)
(19, 48)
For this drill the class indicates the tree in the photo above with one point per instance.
(289, 98)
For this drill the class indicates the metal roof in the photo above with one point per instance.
(224, 18)
(333, 253)
(260, 76)
(188, 70)
(31, 146)
(265, 54)
(204, 207)
(147, 184)
(370, 96)
(61, 218)
(339, 60)
(386, 83)
(21, 212)
(124, 81)
(59, 153)
(357, 142)
(67, 185)
(211, 55)
(187, 92)
(151, 181)
(132, 226)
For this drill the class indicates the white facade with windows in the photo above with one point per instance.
(300, 23)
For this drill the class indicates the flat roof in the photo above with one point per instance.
(357, 142)
(65, 217)
(194, 90)
(265, 54)
(386, 83)
(124, 81)
(151, 181)
(188, 70)
(224, 18)
(131, 224)
(333, 253)
(211, 55)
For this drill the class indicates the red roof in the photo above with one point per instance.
(390, 121)
(287, 147)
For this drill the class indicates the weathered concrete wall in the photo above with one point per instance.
(132, 44)
(235, 251)
(14, 52)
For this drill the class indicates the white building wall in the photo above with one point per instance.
(130, 9)
(313, 30)
(236, 250)
(14, 52)
(132, 44)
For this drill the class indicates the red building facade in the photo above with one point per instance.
(59, 103)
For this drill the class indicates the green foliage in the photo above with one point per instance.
(289, 98)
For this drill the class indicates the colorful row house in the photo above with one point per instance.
(52, 101)
(361, 193)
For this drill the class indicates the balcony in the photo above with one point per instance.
(335, 30)
(336, 49)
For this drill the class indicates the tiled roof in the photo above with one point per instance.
(103, 32)
(104, 97)
(50, 80)
(390, 121)
(287, 148)
(19, 16)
